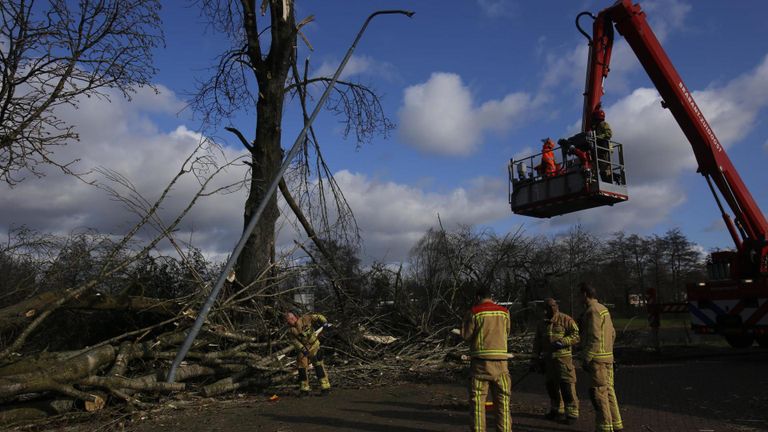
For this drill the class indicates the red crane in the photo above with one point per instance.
(735, 301)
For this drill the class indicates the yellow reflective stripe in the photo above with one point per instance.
(602, 333)
(488, 352)
(479, 406)
(479, 341)
(600, 354)
(560, 354)
(503, 410)
(492, 313)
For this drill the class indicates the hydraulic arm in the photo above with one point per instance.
(748, 228)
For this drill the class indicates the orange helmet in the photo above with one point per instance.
(598, 114)
(548, 143)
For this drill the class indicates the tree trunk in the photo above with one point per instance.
(267, 154)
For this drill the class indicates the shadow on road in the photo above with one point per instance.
(339, 423)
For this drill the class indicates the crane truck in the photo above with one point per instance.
(733, 302)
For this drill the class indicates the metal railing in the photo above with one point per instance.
(605, 163)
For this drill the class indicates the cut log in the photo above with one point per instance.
(58, 372)
(36, 410)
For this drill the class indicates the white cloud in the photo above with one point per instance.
(358, 65)
(648, 205)
(119, 136)
(394, 216)
(441, 117)
(655, 145)
(497, 8)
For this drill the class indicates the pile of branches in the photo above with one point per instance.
(242, 347)
(108, 339)
(243, 344)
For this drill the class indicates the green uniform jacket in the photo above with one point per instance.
(603, 130)
(560, 327)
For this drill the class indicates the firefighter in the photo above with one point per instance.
(555, 336)
(598, 336)
(601, 127)
(486, 329)
(304, 330)
(603, 133)
(547, 168)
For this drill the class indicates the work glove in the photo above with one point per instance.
(305, 352)
(558, 345)
(327, 325)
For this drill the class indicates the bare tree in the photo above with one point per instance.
(447, 267)
(684, 261)
(257, 73)
(51, 56)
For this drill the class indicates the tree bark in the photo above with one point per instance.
(266, 154)
(50, 377)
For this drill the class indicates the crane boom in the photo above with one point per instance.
(749, 227)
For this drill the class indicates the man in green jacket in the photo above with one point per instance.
(555, 336)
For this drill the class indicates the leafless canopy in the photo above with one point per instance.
(52, 54)
(240, 78)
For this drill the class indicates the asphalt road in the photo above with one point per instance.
(709, 390)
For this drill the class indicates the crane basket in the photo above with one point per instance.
(589, 172)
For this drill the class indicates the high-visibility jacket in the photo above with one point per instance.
(598, 333)
(560, 327)
(486, 329)
(303, 336)
(548, 166)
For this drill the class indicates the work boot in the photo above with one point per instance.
(570, 420)
(325, 392)
(303, 393)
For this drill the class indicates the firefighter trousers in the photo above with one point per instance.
(560, 380)
(603, 395)
(493, 375)
(302, 363)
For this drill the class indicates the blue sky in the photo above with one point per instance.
(469, 84)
